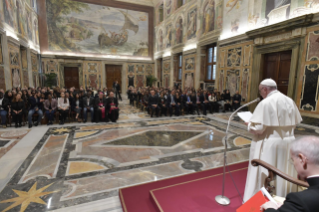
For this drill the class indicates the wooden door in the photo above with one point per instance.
(71, 77)
(113, 73)
(277, 67)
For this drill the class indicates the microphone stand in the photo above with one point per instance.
(221, 199)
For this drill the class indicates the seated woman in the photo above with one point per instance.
(50, 106)
(99, 108)
(214, 106)
(77, 106)
(17, 107)
(63, 107)
(112, 107)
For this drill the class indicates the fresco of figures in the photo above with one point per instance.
(89, 28)
(18, 15)
(192, 23)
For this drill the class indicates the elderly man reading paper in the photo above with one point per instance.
(272, 123)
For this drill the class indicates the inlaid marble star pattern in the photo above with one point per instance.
(25, 198)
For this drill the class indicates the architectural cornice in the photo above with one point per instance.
(233, 39)
(280, 27)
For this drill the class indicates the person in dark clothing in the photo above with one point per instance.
(77, 106)
(63, 107)
(117, 89)
(189, 103)
(304, 156)
(50, 106)
(196, 102)
(153, 101)
(236, 100)
(88, 106)
(163, 104)
(227, 106)
(36, 106)
(204, 102)
(112, 109)
(178, 104)
(99, 109)
(214, 106)
(3, 109)
(17, 107)
(171, 103)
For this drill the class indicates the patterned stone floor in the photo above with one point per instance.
(80, 167)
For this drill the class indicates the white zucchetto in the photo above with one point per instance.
(269, 82)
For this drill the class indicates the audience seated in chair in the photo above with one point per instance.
(99, 108)
(50, 106)
(63, 108)
(36, 107)
(236, 100)
(17, 107)
(88, 106)
(112, 107)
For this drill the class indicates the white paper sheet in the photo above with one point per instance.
(245, 116)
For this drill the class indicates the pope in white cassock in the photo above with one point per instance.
(272, 123)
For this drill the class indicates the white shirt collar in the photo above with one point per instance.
(312, 176)
(271, 93)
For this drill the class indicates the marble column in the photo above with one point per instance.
(29, 67)
(6, 62)
(197, 67)
(171, 79)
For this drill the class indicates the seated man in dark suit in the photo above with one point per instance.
(304, 155)
(204, 102)
(153, 101)
(236, 100)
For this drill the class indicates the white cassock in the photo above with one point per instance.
(273, 123)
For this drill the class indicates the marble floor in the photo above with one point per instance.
(80, 167)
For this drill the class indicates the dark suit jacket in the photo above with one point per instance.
(169, 100)
(237, 98)
(91, 102)
(304, 201)
(109, 101)
(153, 100)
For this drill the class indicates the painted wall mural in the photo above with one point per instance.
(160, 41)
(308, 87)
(313, 46)
(232, 81)
(309, 95)
(166, 73)
(15, 65)
(89, 28)
(192, 23)
(92, 74)
(235, 63)
(189, 63)
(169, 35)
(179, 30)
(208, 23)
(9, 7)
(136, 74)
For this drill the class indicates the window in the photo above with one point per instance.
(180, 67)
(211, 55)
(180, 3)
(161, 13)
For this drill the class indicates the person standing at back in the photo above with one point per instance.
(117, 90)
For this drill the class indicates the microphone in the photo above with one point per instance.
(221, 199)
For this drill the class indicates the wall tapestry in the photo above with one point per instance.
(189, 80)
(233, 81)
(16, 78)
(309, 95)
(234, 57)
(89, 28)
